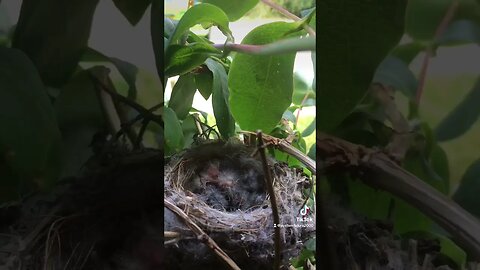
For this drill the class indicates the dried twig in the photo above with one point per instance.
(201, 235)
(383, 173)
(273, 201)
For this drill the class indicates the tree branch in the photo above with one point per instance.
(273, 200)
(382, 173)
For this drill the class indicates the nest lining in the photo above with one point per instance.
(246, 226)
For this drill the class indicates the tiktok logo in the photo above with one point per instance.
(305, 211)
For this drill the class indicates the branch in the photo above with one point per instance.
(288, 14)
(429, 51)
(273, 200)
(382, 173)
(284, 146)
(289, 45)
(202, 235)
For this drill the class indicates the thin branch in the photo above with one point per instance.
(202, 235)
(289, 45)
(286, 147)
(381, 172)
(288, 14)
(273, 200)
(429, 51)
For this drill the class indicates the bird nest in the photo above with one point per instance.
(220, 186)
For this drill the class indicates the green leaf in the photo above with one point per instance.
(54, 34)
(201, 14)
(355, 36)
(310, 129)
(462, 117)
(459, 33)
(129, 80)
(30, 140)
(127, 70)
(234, 9)
(301, 91)
(395, 73)
(204, 83)
(169, 26)
(423, 17)
(174, 139)
(181, 59)
(408, 52)
(220, 96)
(133, 10)
(182, 96)
(80, 117)
(467, 193)
(261, 87)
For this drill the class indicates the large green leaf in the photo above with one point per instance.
(181, 59)
(80, 117)
(182, 95)
(395, 73)
(173, 134)
(133, 10)
(235, 9)
(261, 86)
(462, 117)
(30, 140)
(220, 96)
(354, 37)
(205, 14)
(423, 17)
(204, 83)
(54, 34)
(467, 193)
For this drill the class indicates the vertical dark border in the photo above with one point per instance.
(157, 11)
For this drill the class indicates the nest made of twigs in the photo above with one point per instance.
(230, 203)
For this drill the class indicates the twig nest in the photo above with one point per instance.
(221, 187)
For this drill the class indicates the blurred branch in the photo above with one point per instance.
(380, 172)
(429, 51)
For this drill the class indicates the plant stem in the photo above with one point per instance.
(273, 201)
(429, 51)
(288, 14)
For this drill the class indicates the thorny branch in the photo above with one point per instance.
(273, 200)
(202, 235)
(379, 171)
